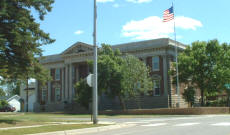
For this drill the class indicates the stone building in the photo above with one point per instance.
(69, 66)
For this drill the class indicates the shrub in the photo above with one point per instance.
(3, 103)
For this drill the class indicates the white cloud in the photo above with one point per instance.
(139, 1)
(152, 27)
(104, 1)
(116, 5)
(78, 32)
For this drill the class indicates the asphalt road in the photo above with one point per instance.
(172, 125)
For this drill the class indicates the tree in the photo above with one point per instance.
(21, 38)
(189, 95)
(2, 92)
(117, 76)
(83, 93)
(135, 78)
(206, 66)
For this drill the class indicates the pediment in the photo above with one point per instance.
(78, 47)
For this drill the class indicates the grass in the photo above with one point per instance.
(27, 119)
(46, 129)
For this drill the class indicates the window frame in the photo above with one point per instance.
(153, 63)
(44, 98)
(154, 87)
(56, 89)
(57, 71)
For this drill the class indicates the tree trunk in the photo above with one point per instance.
(27, 95)
(122, 103)
(202, 97)
(228, 96)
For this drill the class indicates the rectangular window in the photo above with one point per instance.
(155, 63)
(57, 74)
(44, 94)
(156, 87)
(57, 94)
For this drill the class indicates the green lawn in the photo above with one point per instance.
(45, 129)
(28, 119)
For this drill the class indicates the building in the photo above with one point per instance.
(15, 101)
(69, 66)
(31, 96)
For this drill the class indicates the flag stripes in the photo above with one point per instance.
(168, 15)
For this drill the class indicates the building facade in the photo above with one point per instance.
(70, 66)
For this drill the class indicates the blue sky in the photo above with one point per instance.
(121, 21)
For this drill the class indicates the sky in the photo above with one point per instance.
(122, 21)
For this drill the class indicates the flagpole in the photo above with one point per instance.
(176, 47)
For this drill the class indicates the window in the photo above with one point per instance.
(57, 74)
(155, 63)
(57, 94)
(156, 87)
(44, 94)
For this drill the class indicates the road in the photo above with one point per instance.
(172, 125)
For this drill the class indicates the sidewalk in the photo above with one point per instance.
(86, 130)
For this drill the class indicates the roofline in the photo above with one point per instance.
(73, 45)
(13, 97)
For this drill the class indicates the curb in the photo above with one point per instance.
(86, 130)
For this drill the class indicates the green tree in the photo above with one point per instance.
(83, 93)
(189, 95)
(206, 66)
(2, 92)
(117, 76)
(21, 38)
(135, 78)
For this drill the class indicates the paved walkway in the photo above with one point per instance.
(50, 124)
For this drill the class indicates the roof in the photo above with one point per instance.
(14, 97)
(83, 48)
(147, 44)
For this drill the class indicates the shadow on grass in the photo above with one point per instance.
(13, 122)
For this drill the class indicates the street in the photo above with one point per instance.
(172, 125)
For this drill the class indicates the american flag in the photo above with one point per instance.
(168, 14)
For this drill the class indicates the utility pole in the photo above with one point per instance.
(95, 103)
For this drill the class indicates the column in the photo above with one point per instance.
(36, 91)
(62, 84)
(49, 91)
(77, 74)
(165, 75)
(70, 82)
(66, 83)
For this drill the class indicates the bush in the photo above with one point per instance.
(3, 103)
(83, 93)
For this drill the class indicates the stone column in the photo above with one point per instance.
(165, 75)
(70, 82)
(62, 84)
(77, 74)
(66, 82)
(49, 91)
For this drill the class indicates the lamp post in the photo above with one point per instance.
(95, 103)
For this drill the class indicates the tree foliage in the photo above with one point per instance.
(2, 92)
(206, 66)
(118, 76)
(189, 95)
(21, 38)
(83, 93)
